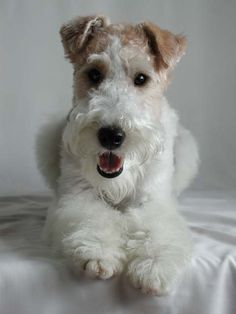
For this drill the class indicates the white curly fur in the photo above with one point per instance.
(100, 224)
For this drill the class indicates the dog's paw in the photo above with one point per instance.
(97, 267)
(151, 277)
(103, 269)
(84, 251)
(96, 260)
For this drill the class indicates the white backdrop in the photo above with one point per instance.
(35, 80)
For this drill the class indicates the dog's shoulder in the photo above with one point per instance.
(48, 146)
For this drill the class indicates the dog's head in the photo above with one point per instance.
(120, 73)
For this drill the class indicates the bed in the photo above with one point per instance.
(33, 281)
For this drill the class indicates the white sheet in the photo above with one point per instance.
(32, 282)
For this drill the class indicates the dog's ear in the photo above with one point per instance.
(76, 33)
(165, 46)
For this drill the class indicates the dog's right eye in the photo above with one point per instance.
(94, 76)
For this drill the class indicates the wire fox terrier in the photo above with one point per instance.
(121, 159)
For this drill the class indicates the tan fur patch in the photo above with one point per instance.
(78, 32)
(167, 47)
(91, 35)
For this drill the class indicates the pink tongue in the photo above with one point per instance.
(109, 161)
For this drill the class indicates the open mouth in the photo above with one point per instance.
(109, 165)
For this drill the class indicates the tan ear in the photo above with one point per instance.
(165, 46)
(76, 33)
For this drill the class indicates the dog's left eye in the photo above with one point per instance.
(95, 76)
(140, 79)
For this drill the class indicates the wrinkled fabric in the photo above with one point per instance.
(33, 281)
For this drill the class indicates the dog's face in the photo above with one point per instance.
(120, 72)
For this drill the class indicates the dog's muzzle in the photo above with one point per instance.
(110, 165)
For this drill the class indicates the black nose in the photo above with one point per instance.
(111, 137)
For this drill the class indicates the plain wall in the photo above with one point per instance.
(35, 79)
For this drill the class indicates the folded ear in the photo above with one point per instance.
(76, 33)
(165, 46)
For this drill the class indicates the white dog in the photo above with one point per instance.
(121, 158)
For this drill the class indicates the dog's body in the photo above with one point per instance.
(123, 156)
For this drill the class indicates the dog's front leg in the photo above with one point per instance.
(88, 232)
(159, 247)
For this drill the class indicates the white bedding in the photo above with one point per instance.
(32, 281)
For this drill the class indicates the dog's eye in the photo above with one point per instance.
(140, 79)
(95, 76)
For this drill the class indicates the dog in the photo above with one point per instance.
(120, 160)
